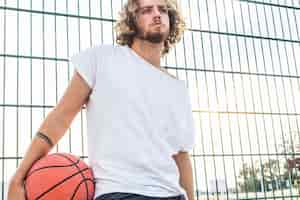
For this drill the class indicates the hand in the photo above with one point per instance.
(16, 190)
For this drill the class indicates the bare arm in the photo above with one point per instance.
(55, 124)
(184, 165)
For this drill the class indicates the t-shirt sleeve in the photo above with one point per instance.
(84, 63)
(188, 130)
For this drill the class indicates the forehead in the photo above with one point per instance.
(143, 3)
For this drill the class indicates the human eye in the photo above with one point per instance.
(163, 9)
(146, 10)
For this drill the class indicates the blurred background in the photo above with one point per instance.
(241, 63)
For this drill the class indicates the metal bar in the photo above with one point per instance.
(205, 155)
(17, 92)
(284, 88)
(209, 104)
(79, 37)
(55, 14)
(31, 102)
(284, 85)
(194, 59)
(218, 99)
(251, 92)
(263, 116)
(113, 20)
(271, 4)
(227, 115)
(3, 100)
(195, 110)
(68, 54)
(170, 67)
(44, 74)
(56, 74)
(201, 127)
(296, 68)
(272, 64)
(236, 106)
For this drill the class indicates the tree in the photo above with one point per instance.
(273, 174)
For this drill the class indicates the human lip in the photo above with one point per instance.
(157, 24)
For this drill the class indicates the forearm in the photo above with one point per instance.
(54, 128)
(186, 173)
(37, 149)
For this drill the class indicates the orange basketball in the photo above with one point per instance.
(59, 176)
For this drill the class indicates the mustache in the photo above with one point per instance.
(154, 24)
(157, 22)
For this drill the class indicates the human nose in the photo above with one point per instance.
(156, 12)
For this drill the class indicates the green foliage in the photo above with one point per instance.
(273, 174)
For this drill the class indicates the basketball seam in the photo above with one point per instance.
(58, 166)
(86, 187)
(52, 166)
(60, 182)
(77, 188)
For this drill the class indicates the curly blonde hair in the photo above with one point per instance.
(126, 28)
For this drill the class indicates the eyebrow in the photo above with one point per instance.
(151, 6)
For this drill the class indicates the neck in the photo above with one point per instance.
(149, 51)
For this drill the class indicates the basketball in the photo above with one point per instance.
(59, 176)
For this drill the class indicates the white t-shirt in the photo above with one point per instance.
(137, 118)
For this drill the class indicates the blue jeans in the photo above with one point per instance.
(130, 196)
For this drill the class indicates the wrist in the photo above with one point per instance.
(17, 179)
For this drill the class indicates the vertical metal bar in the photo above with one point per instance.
(294, 57)
(235, 97)
(274, 79)
(90, 24)
(209, 114)
(287, 64)
(244, 97)
(269, 97)
(3, 114)
(292, 92)
(269, 100)
(112, 22)
(31, 134)
(68, 54)
(44, 73)
(218, 100)
(56, 74)
(202, 137)
(185, 61)
(81, 112)
(231, 64)
(17, 108)
(91, 44)
(101, 25)
(194, 159)
(175, 55)
(285, 100)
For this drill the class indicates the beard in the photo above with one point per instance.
(153, 37)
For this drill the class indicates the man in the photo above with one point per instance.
(139, 117)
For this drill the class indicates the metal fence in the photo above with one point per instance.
(241, 63)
